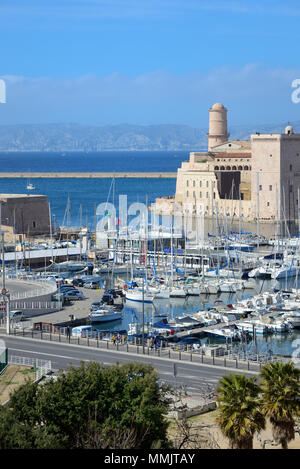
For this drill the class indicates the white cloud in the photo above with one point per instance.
(253, 94)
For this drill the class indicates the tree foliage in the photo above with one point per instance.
(240, 410)
(90, 406)
(281, 399)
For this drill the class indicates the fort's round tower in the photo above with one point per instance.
(217, 126)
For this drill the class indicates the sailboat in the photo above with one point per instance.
(30, 186)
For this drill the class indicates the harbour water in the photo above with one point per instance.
(88, 193)
(283, 344)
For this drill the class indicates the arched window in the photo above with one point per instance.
(240, 168)
(233, 168)
(222, 168)
(228, 168)
(246, 168)
(216, 168)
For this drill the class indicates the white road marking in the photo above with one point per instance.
(49, 354)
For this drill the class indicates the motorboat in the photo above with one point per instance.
(257, 326)
(105, 315)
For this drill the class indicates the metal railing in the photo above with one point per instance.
(32, 305)
(41, 367)
(48, 286)
(101, 342)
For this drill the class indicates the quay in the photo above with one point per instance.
(91, 175)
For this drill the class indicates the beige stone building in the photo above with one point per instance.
(24, 216)
(257, 178)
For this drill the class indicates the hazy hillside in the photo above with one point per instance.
(76, 137)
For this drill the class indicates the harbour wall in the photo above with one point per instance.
(96, 175)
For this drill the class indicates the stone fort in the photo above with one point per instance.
(256, 179)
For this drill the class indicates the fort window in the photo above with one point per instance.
(200, 195)
(34, 224)
(268, 204)
(200, 183)
(206, 183)
(291, 167)
(193, 183)
(207, 195)
(260, 187)
(187, 193)
(187, 183)
(194, 194)
(270, 188)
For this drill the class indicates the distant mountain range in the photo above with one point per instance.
(77, 137)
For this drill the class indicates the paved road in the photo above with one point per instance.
(20, 286)
(79, 308)
(62, 355)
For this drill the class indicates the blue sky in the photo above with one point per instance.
(148, 61)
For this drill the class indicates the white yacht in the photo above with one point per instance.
(105, 315)
(137, 294)
(260, 327)
(30, 186)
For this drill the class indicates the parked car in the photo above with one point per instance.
(112, 292)
(96, 305)
(73, 295)
(78, 282)
(108, 299)
(93, 285)
(67, 288)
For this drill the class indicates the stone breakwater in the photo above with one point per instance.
(91, 175)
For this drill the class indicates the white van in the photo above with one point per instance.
(81, 331)
(16, 315)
